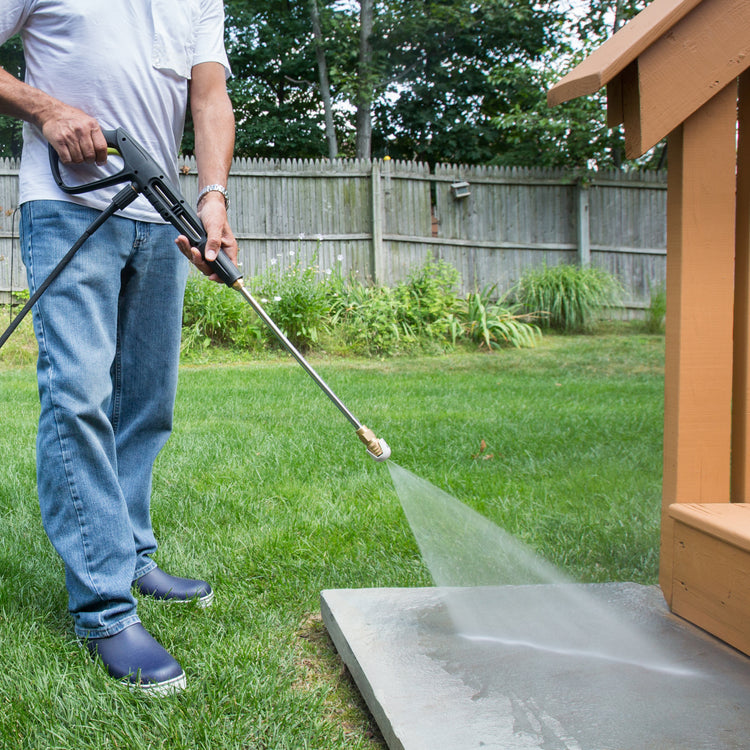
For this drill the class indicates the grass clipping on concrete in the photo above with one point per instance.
(265, 490)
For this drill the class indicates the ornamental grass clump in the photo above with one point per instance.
(657, 311)
(567, 298)
(492, 324)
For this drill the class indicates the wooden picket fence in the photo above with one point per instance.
(378, 220)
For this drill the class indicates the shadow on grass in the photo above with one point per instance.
(321, 667)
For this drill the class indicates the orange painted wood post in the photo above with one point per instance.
(741, 374)
(700, 301)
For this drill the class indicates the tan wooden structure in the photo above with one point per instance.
(679, 70)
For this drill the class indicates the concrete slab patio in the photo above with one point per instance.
(430, 688)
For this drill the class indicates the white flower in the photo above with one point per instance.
(339, 257)
(291, 253)
(264, 300)
(328, 271)
(273, 261)
(277, 298)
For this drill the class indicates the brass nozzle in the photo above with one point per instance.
(367, 436)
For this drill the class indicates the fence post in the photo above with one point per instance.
(377, 261)
(584, 228)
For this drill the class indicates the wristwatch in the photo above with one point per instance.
(213, 188)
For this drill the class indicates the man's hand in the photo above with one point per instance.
(213, 213)
(75, 136)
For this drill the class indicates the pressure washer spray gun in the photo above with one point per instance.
(145, 177)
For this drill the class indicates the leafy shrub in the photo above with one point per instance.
(567, 298)
(368, 319)
(213, 314)
(422, 313)
(382, 320)
(295, 300)
(428, 297)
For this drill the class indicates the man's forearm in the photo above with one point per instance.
(213, 120)
(214, 146)
(25, 102)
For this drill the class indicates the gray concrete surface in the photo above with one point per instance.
(429, 688)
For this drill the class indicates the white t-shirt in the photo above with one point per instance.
(125, 62)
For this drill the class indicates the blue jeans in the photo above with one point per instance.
(108, 330)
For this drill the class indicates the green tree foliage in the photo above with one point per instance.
(11, 59)
(274, 85)
(428, 74)
(444, 80)
(532, 134)
(573, 134)
(437, 99)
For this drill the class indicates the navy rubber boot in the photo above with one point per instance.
(161, 585)
(139, 660)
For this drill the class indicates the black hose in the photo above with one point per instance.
(126, 196)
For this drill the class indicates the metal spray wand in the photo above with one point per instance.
(377, 448)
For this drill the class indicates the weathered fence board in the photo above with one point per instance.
(379, 220)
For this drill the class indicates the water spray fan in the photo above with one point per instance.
(147, 178)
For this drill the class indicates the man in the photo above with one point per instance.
(109, 327)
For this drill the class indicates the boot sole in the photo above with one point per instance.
(202, 602)
(168, 687)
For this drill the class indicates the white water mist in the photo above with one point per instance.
(532, 605)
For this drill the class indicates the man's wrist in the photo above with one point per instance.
(215, 188)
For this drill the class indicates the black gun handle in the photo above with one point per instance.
(223, 267)
(113, 139)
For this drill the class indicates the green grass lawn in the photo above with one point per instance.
(265, 490)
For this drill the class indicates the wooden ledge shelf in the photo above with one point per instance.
(711, 568)
(729, 522)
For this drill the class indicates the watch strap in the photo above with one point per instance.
(213, 188)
